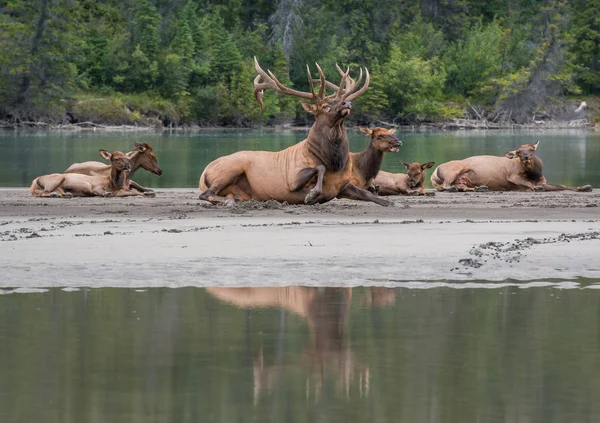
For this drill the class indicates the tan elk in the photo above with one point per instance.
(315, 170)
(143, 156)
(519, 169)
(75, 184)
(409, 183)
(366, 165)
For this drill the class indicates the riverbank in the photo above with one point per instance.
(177, 240)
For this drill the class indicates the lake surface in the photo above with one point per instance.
(447, 354)
(570, 156)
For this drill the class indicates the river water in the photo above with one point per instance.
(292, 354)
(570, 157)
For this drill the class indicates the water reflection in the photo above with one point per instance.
(326, 312)
(299, 354)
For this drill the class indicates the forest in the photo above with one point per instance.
(189, 62)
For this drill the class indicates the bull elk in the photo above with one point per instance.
(409, 183)
(518, 169)
(315, 170)
(143, 156)
(74, 184)
(366, 165)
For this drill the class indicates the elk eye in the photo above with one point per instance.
(326, 107)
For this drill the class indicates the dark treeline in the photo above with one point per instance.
(190, 61)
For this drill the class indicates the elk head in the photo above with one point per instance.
(120, 168)
(382, 139)
(416, 172)
(525, 153)
(329, 110)
(147, 159)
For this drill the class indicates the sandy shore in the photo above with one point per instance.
(177, 240)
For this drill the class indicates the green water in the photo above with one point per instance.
(570, 157)
(318, 355)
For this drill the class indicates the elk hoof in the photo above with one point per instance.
(53, 195)
(538, 188)
(585, 188)
(413, 193)
(150, 194)
(482, 188)
(68, 195)
(107, 194)
(311, 197)
(452, 188)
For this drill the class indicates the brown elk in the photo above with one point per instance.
(366, 165)
(74, 184)
(409, 183)
(326, 311)
(143, 156)
(315, 170)
(518, 169)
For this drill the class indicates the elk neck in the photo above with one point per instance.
(135, 158)
(118, 178)
(369, 162)
(329, 146)
(534, 169)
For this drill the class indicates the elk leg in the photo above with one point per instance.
(521, 182)
(212, 193)
(551, 187)
(352, 192)
(140, 188)
(130, 193)
(314, 193)
(304, 177)
(50, 183)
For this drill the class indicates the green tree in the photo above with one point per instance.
(585, 26)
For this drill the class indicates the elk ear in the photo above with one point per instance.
(365, 130)
(405, 164)
(141, 147)
(535, 146)
(106, 154)
(511, 154)
(310, 108)
(392, 131)
(427, 165)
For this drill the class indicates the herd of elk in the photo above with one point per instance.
(317, 169)
(115, 183)
(143, 156)
(99, 179)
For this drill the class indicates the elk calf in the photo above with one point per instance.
(366, 165)
(519, 169)
(143, 156)
(409, 183)
(74, 184)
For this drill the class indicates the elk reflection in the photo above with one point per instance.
(326, 311)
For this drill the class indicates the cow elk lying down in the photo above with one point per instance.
(366, 165)
(519, 169)
(409, 183)
(75, 184)
(143, 156)
(315, 170)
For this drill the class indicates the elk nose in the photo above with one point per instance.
(347, 104)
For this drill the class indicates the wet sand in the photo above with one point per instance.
(177, 240)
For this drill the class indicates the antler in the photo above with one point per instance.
(349, 92)
(270, 81)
